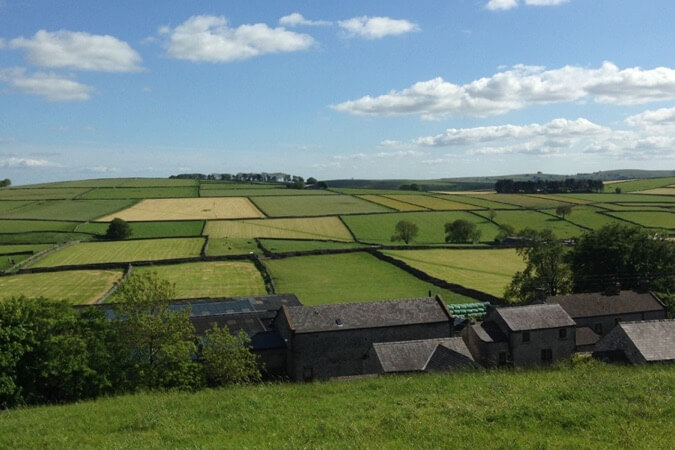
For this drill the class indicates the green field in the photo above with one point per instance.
(7, 261)
(41, 194)
(587, 216)
(261, 192)
(26, 248)
(651, 219)
(398, 205)
(147, 230)
(8, 205)
(609, 407)
(43, 237)
(231, 246)
(536, 220)
(287, 245)
(313, 228)
(147, 192)
(484, 270)
(378, 228)
(119, 182)
(123, 251)
(349, 277)
(621, 198)
(641, 185)
(209, 279)
(226, 185)
(75, 286)
(476, 200)
(315, 205)
(429, 202)
(636, 206)
(527, 201)
(660, 191)
(67, 209)
(22, 226)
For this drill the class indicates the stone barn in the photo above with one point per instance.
(639, 342)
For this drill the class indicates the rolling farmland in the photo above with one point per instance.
(188, 209)
(327, 228)
(315, 205)
(76, 286)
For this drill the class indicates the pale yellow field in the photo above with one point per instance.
(659, 191)
(305, 228)
(189, 208)
(391, 203)
(75, 286)
(434, 203)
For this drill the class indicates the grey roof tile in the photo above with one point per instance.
(535, 317)
(598, 304)
(654, 339)
(413, 356)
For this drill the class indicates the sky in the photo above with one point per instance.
(348, 89)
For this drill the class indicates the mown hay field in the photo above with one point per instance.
(41, 194)
(378, 228)
(391, 203)
(66, 209)
(521, 219)
(231, 246)
(148, 230)
(209, 279)
(311, 228)
(433, 203)
(75, 286)
(650, 219)
(138, 192)
(660, 191)
(188, 208)
(349, 277)
(22, 226)
(487, 271)
(122, 251)
(315, 205)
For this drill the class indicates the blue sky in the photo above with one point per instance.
(344, 89)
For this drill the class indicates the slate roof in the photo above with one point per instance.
(488, 332)
(598, 304)
(348, 316)
(413, 356)
(654, 339)
(535, 317)
(585, 336)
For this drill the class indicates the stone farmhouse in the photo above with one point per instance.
(639, 342)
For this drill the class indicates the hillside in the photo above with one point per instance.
(587, 406)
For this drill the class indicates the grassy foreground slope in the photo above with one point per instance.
(583, 407)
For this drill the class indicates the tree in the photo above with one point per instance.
(462, 231)
(628, 254)
(492, 214)
(118, 229)
(563, 210)
(6, 182)
(617, 190)
(545, 268)
(227, 358)
(311, 180)
(405, 231)
(322, 185)
(160, 342)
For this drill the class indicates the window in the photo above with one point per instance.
(546, 355)
(562, 333)
(526, 336)
(597, 328)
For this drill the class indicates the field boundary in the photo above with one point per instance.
(36, 256)
(262, 268)
(114, 287)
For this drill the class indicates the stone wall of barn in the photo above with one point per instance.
(608, 322)
(487, 354)
(530, 353)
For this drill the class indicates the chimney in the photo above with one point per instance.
(643, 286)
(613, 289)
(539, 295)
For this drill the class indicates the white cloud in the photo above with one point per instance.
(378, 155)
(517, 88)
(210, 39)
(501, 5)
(26, 163)
(48, 85)
(376, 27)
(78, 50)
(545, 2)
(296, 19)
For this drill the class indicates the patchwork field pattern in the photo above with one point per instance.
(231, 246)
(536, 220)
(136, 193)
(41, 194)
(123, 251)
(350, 277)
(650, 219)
(148, 230)
(311, 228)
(378, 228)
(527, 201)
(620, 198)
(260, 192)
(391, 203)
(315, 205)
(660, 191)
(210, 279)
(75, 286)
(188, 208)
(641, 185)
(28, 248)
(434, 203)
(22, 226)
(284, 245)
(67, 209)
(476, 200)
(121, 182)
(587, 216)
(488, 271)
(43, 237)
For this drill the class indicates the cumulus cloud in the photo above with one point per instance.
(653, 118)
(501, 5)
(26, 163)
(78, 50)
(296, 19)
(376, 27)
(517, 88)
(50, 86)
(211, 39)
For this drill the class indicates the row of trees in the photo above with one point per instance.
(53, 353)
(508, 186)
(457, 232)
(6, 182)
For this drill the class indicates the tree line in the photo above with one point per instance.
(51, 352)
(509, 186)
(6, 182)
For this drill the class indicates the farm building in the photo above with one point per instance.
(639, 342)
(330, 341)
(597, 313)
(522, 336)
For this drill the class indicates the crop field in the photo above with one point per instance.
(660, 191)
(210, 279)
(231, 246)
(260, 192)
(587, 216)
(148, 230)
(433, 203)
(312, 228)
(67, 209)
(7, 205)
(315, 205)
(349, 277)
(527, 201)
(476, 200)
(21, 226)
(378, 228)
(391, 203)
(76, 286)
(537, 221)
(488, 271)
(120, 182)
(650, 219)
(123, 251)
(136, 192)
(621, 198)
(27, 248)
(641, 185)
(41, 194)
(287, 245)
(188, 208)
